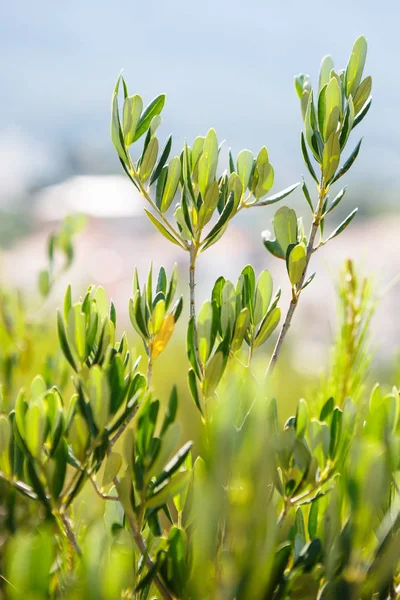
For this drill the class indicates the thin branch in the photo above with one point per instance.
(192, 298)
(69, 533)
(149, 372)
(99, 492)
(139, 541)
(295, 297)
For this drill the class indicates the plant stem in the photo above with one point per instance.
(295, 297)
(70, 534)
(149, 563)
(192, 298)
(149, 373)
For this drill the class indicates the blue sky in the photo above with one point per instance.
(224, 64)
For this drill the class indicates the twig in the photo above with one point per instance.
(192, 298)
(99, 492)
(139, 541)
(295, 297)
(69, 533)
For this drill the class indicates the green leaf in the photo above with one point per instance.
(35, 425)
(232, 167)
(267, 326)
(301, 418)
(161, 161)
(347, 165)
(296, 262)
(336, 200)
(214, 371)
(333, 103)
(263, 178)
(57, 469)
(170, 413)
(311, 129)
(44, 283)
(347, 124)
(133, 107)
(263, 295)
(161, 228)
(208, 162)
(301, 84)
(62, 338)
(277, 574)
(210, 202)
(331, 157)
(193, 389)
(197, 149)
(285, 227)
(356, 65)
(245, 161)
(223, 218)
(272, 245)
(5, 440)
(313, 520)
(174, 464)
(148, 159)
(306, 194)
(160, 186)
(205, 331)
(153, 109)
(240, 330)
(116, 131)
(228, 309)
(362, 112)
(343, 225)
(336, 430)
(307, 158)
(325, 71)
(308, 281)
(174, 487)
(278, 196)
(111, 470)
(171, 184)
(77, 331)
(191, 347)
(98, 391)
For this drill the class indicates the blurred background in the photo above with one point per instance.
(229, 65)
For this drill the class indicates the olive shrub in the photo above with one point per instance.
(259, 508)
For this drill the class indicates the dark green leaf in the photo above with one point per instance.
(62, 337)
(193, 389)
(225, 215)
(161, 161)
(174, 464)
(278, 196)
(348, 162)
(153, 109)
(307, 158)
(362, 112)
(343, 225)
(336, 201)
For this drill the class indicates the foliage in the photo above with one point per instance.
(100, 496)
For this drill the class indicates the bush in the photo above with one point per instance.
(100, 496)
